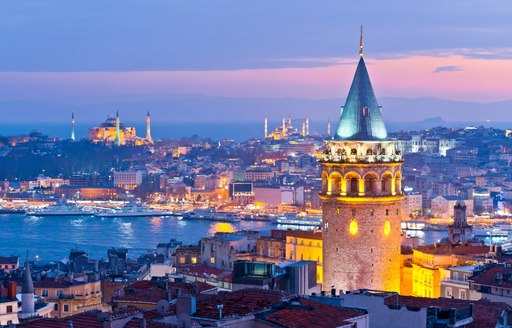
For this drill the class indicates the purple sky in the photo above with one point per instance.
(58, 55)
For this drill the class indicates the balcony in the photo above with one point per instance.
(455, 282)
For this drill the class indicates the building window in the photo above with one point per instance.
(462, 294)
(182, 260)
(66, 308)
(326, 226)
(212, 260)
(9, 309)
(387, 228)
(56, 307)
(338, 210)
(353, 212)
(59, 292)
(44, 293)
(387, 212)
(448, 292)
(353, 228)
(193, 260)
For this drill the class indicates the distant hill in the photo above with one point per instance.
(189, 107)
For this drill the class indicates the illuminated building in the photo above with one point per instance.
(112, 131)
(429, 265)
(305, 246)
(73, 126)
(286, 130)
(128, 180)
(361, 196)
(148, 129)
(329, 127)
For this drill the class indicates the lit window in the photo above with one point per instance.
(353, 227)
(182, 260)
(212, 260)
(387, 228)
(193, 260)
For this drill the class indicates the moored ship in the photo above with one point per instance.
(211, 214)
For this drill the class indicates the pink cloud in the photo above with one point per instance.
(477, 80)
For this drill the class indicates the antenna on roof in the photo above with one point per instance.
(361, 44)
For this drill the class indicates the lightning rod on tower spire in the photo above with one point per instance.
(361, 44)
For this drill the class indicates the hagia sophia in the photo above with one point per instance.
(112, 131)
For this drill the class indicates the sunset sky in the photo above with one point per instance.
(65, 49)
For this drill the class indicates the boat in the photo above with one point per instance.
(11, 210)
(256, 217)
(62, 209)
(493, 231)
(210, 214)
(131, 210)
(413, 225)
(298, 221)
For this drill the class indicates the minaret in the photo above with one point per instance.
(361, 196)
(73, 126)
(329, 127)
(265, 132)
(307, 125)
(118, 136)
(148, 129)
(27, 291)
(284, 128)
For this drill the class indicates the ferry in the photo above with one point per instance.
(62, 209)
(298, 221)
(211, 214)
(413, 225)
(493, 231)
(131, 210)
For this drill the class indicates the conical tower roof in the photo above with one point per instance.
(28, 285)
(361, 118)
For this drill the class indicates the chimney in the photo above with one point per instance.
(11, 289)
(220, 307)
(499, 278)
(185, 305)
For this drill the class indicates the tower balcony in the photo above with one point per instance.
(342, 151)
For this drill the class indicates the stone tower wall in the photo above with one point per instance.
(369, 258)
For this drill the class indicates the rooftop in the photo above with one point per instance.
(361, 118)
(301, 312)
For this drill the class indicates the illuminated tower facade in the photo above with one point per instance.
(329, 127)
(148, 129)
(361, 196)
(117, 140)
(73, 126)
(307, 125)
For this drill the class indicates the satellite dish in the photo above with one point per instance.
(162, 306)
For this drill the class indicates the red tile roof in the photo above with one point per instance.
(304, 234)
(206, 272)
(488, 277)
(151, 292)
(470, 250)
(304, 313)
(238, 303)
(485, 313)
